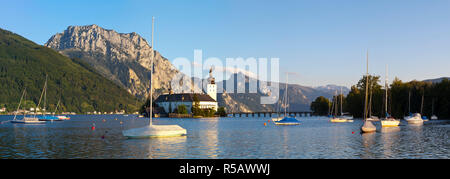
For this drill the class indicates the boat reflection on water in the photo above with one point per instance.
(390, 129)
(390, 138)
(368, 141)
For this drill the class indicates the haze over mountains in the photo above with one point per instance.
(125, 59)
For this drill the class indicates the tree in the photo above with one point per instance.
(196, 107)
(321, 106)
(221, 112)
(182, 109)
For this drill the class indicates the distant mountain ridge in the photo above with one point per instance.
(300, 97)
(437, 80)
(125, 59)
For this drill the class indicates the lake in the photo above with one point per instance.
(229, 138)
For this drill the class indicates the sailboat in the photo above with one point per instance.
(26, 120)
(44, 117)
(371, 117)
(389, 121)
(287, 120)
(433, 117)
(413, 118)
(341, 118)
(367, 127)
(424, 118)
(152, 130)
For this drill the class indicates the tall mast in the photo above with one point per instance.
(409, 102)
(18, 107)
(342, 95)
(286, 96)
(39, 103)
(367, 86)
(151, 72)
(386, 88)
(421, 105)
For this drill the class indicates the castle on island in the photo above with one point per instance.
(207, 100)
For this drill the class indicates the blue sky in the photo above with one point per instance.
(323, 41)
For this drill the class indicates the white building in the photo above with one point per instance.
(171, 101)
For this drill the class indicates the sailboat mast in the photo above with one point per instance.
(45, 86)
(421, 105)
(342, 95)
(367, 86)
(409, 102)
(286, 96)
(18, 107)
(151, 72)
(386, 88)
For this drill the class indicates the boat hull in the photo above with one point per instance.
(368, 127)
(416, 119)
(28, 120)
(287, 123)
(390, 123)
(340, 120)
(155, 131)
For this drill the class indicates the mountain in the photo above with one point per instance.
(333, 89)
(24, 64)
(299, 97)
(437, 80)
(125, 59)
(121, 57)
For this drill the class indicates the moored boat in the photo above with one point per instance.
(414, 119)
(63, 117)
(288, 121)
(28, 120)
(49, 118)
(434, 117)
(151, 130)
(388, 121)
(367, 127)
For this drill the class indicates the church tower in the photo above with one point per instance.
(212, 87)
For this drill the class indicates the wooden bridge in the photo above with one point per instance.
(269, 114)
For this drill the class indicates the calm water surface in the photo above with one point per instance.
(235, 138)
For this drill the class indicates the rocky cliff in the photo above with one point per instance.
(122, 57)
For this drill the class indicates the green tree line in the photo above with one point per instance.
(404, 98)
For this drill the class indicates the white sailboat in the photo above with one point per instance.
(413, 118)
(433, 116)
(341, 118)
(388, 121)
(25, 119)
(154, 130)
(367, 127)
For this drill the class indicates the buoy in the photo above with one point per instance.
(353, 132)
(93, 126)
(265, 124)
